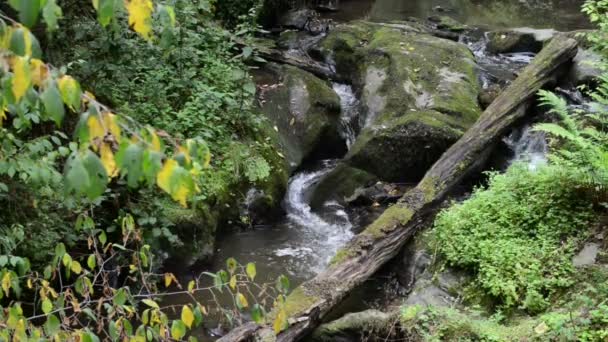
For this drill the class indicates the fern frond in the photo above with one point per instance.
(556, 130)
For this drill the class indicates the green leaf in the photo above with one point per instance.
(85, 175)
(151, 303)
(105, 11)
(52, 325)
(3, 260)
(51, 14)
(103, 238)
(23, 43)
(257, 314)
(28, 12)
(231, 264)
(130, 161)
(251, 271)
(113, 330)
(47, 306)
(91, 261)
(53, 105)
(120, 298)
(223, 276)
(283, 284)
(178, 330)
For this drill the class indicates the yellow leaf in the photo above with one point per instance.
(96, 129)
(27, 39)
(96, 4)
(21, 77)
(242, 300)
(39, 71)
(70, 91)
(168, 279)
(6, 283)
(179, 188)
(191, 286)
(76, 267)
(232, 282)
(111, 124)
(280, 322)
(5, 39)
(108, 161)
(140, 16)
(154, 140)
(187, 316)
(2, 116)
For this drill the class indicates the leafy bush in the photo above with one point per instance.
(518, 235)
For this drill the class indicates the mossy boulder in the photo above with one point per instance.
(518, 40)
(305, 111)
(339, 184)
(195, 227)
(419, 92)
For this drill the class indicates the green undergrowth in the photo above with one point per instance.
(197, 86)
(580, 314)
(518, 235)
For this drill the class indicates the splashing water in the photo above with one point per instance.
(320, 237)
(350, 112)
(529, 146)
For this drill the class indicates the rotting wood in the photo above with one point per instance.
(381, 241)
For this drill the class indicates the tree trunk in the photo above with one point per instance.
(308, 304)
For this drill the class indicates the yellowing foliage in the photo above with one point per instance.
(176, 181)
(108, 160)
(140, 16)
(39, 72)
(21, 77)
(96, 130)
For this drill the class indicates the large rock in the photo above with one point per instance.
(585, 67)
(340, 184)
(419, 91)
(306, 111)
(518, 40)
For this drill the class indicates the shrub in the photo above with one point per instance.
(518, 235)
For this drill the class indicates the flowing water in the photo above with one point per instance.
(350, 112)
(302, 242)
(528, 146)
(558, 14)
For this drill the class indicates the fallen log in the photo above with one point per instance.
(319, 69)
(309, 303)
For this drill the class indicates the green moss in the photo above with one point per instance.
(389, 220)
(298, 301)
(443, 323)
(343, 254)
(427, 185)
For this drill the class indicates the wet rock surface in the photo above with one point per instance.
(419, 93)
(304, 110)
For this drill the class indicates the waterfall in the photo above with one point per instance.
(350, 112)
(529, 146)
(319, 236)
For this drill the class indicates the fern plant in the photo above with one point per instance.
(584, 141)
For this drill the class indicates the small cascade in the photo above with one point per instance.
(350, 112)
(528, 146)
(318, 237)
(494, 67)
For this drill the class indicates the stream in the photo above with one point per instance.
(301, 243)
